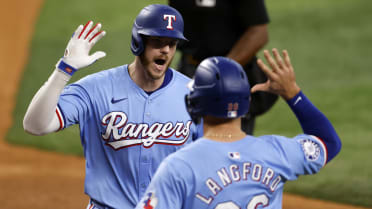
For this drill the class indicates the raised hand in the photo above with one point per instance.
(78, 48)
(281, 77)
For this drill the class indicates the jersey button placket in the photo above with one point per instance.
(144, 159)
(145, 162)
(147, 112)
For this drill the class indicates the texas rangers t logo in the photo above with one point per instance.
(169, 18)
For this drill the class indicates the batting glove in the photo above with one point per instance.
(77, 51)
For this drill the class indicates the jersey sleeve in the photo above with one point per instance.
(301, 155)
(72, 105)
(168, 186)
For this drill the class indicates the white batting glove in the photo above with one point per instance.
(77, 51)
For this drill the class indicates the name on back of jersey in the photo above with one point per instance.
(227, 176)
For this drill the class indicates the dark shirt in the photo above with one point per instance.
(212, 31)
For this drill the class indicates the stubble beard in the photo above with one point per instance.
(148, 73)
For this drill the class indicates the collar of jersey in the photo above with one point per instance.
(140, 90)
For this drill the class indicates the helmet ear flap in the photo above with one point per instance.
(190, 107)
(137, 46)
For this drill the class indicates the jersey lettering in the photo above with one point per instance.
(204, 199)
(257, 170)
(224, 177)
(275, 183)
(268, 176)
(246, 170)
(249, 171)
(213, 186)
(120, 134)
(234, 170)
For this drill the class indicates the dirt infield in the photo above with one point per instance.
(30, 178)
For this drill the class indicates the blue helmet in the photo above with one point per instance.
(156, 20)
(220, 88)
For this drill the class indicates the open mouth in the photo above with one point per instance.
(160, 61)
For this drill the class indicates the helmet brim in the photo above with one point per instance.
(162, 33)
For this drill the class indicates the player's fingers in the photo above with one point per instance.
(271, 61)
(265, 69)
(287, 60)
(77, 31)
(98, 55)
(97, 37)
(260, 87)
(93, 31)
(278, 59)
(86, 29)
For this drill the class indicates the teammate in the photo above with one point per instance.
(130, 117)
(228, 169)
(236, 29)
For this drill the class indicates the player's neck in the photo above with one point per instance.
(223, 130)
(137, 73)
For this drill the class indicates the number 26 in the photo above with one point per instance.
(255, 201)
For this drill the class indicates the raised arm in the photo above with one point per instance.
(43, 115)
(252, 40)
(282, 81)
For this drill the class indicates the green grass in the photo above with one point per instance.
(330, 46)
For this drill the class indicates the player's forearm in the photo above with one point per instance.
(249, 44)
(41, 117)
(314, 122)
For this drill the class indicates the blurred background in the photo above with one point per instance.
(330, 43)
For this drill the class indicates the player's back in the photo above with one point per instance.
(241, 174)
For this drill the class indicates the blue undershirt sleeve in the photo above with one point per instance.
(314, 122)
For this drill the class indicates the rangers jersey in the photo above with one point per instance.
(125, 132)
(249, 173)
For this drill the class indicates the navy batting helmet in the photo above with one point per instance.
(220, 88)
(156, 20)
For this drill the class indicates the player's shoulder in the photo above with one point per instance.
(180, 77)
(180, 160)
(190, 149)
(277, 140)
(300, 143)
(190, 154)
(102, 78)
(283, 139)
(178, 84)
(103, 75)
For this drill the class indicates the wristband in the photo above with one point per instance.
(296, 99)
(68, 69)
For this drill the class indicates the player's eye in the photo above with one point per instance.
(158, 42)
(173, 43)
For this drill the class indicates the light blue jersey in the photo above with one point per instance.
(125, 132)
(247, 174)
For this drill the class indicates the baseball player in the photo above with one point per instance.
(130, 117)
(226, 169)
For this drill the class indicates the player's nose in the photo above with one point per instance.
(165, 49)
